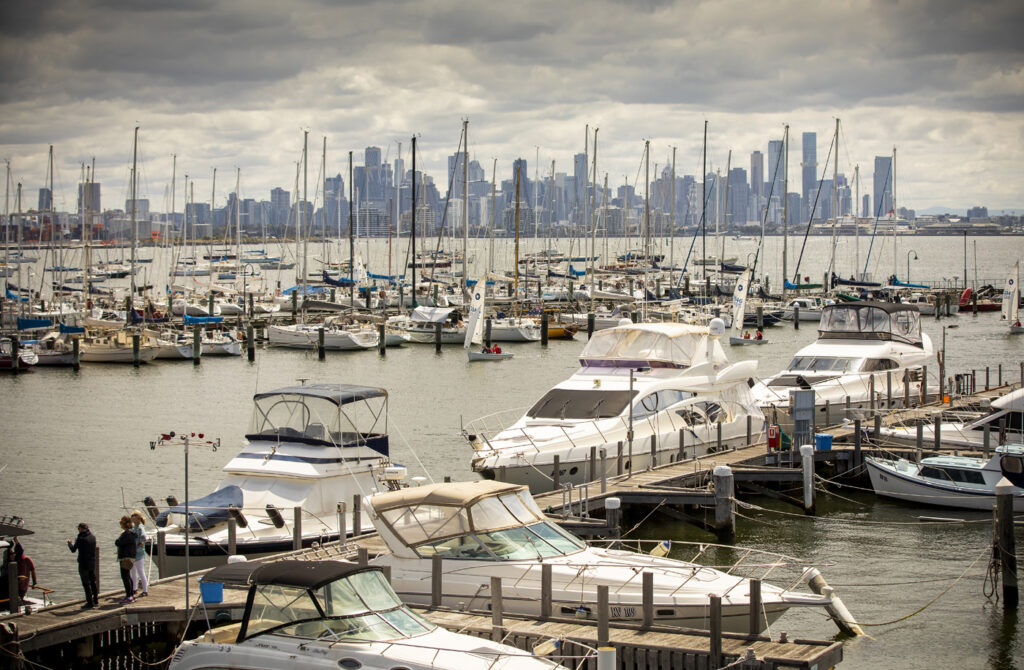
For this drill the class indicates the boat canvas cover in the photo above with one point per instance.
(339, 394)
(662, 345)
(299, 574)
(430, 314)
(872, 320)
(200, 320)
(208, 511)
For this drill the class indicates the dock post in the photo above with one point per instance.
(715, 626)
(602, 615)
(604, 470)
(760, 317)
(75, 353)
(342, 534)
(807, 462)
(920, 440)
(1007, 550)
(437, 338)
(161, 553)
(1002, 430)
(488, 324)
(888, 389)
(906, 388)
(544, 329)
(647, 602)
(618, 458)
(436, 570)
(611, 509)
(321, 354)
(986, 439)
(556, 475)
(725, 521)
(1022, 374)
(857, 457)
(755, 607)
(999, 375)
(14, 604)
(846, 408)
(135, 350)
(357, 514)
(924, 384)
(232, 537)
(362, 556)
(295, 305)
(718, 436)
(986, 378)
(871, 393)
(497, 627)
(938, 429)
(545, 591)
(654, 452)
(593, 465)
(297, 527)
(878, 428)
(828, 413)
(250, 343)
(796, 317)
(197, 346)
(591, 319)
(382, 340)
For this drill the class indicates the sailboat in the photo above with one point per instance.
(739, 302)
(1011, 300)
(475, 328)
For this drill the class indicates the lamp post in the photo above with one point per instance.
(911, 251)
(629, 432)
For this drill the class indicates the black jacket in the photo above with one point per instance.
(125, 545)
(85, 545)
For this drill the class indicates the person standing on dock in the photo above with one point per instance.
(139, 579)
(125, 543)
(85, 545)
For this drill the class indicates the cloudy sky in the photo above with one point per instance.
(231, 84)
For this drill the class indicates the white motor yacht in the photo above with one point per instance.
(307, 336)
(666, 387)
(421, 325)
(311, 446)
(333, 614)
(857, 342)
(961, 482)
(485, 529)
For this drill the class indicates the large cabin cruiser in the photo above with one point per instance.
(665, 387)
(857, 342)
(485, 529)
(312, 446)
(334, 614)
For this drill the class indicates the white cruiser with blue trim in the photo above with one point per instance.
(311, 446)
(665, 388)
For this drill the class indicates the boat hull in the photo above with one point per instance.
(888, 482)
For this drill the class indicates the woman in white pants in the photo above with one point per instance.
(139, 579)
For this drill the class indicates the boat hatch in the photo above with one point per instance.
(872, 321)
(323, 414)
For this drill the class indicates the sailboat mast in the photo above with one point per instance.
(302, 223)
(135, 232)
(396, 219)
(785, 209)
(894, 255)
(593, 197)
(413, 289)
(856, 223)
(490, 246)
(672, 223)
(465, 205)
(351, 239)
(647, 219)
(515, 293)
(238, 219)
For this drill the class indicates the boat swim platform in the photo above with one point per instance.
(60, 635)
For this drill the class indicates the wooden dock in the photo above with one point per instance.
(149, 628)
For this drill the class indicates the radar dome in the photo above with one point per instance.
(716, 328)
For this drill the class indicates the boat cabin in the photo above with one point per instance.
(335, 415)
(327, 600)
(480, 520)
(867, 320)
(1006, 419)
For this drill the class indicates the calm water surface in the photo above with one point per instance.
(76, 448)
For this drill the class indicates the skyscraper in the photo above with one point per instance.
(280, 205)
(775, 164)
(757, 174)
(883, 186)
(579, 162)
(810, 173)
(519, 166)
(455, 170)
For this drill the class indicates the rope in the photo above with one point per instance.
(865, 522)
(656, 507)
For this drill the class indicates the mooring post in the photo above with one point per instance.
(888, 389)
(197, 346)
(828, 413)
(545, 591)
(591, 319)
(999, 375)
(161, 553)
(297, 527)
(436, 571)
(357, 514)
(924, 384)
(232, 537)
(556, 476)
(342, 534)
(846, 408)
(715, 625)
(857, 457)
(906, 388)
(14, 604)
(938, 431)
(618, 458)
(807, 462)
(593, 465)
(602, 615)
(920, 441)
(718, 436)
(544, 329)
(1007, 543)
(604, 470)
(755, 607)
(647, 594)
(382, 340)
(362, 556)
(725, 521)
(75, 345)
(654, 452)
(437, 338)
(250, 343)
(135, 350)
(611, 515)
(987, 378)
(488, 324)
(321, 353)
(796, 317)
(871, 393)
(497, 627)
(986, 439)
(878, 428)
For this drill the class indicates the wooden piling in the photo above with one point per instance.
(362, 556)
(232, 537)
(592, 319)
(888, 389)
(436, 571)
(602, 614)
(357, 514)
(986, 439)
(197, 345)
(593, 465)
(871, 393)
(382, 340)
(618, 458)
(321, 353)
(750, 431)
(724, 487)
(828, 413)
(938, 431)
(755, 607)
(545, 591)
(647, 599)
(297, 527)
(75, 345)
(924, 384)
(556, 476)
(250, 343)
(488, 324)
(161, 552)
(796, 317)
(1007, 549)
(715, 625)
(342, 531)
(14, 602)
(654, 452)
(857, 457)
(544, 329)
(604, 470)
(497, 627)
(135, 350)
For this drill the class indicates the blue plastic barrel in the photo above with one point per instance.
(823, 441)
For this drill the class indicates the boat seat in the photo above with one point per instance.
(223, 635)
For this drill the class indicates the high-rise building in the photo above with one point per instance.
(579, 162)
(809, 166)
(45, 199)
(476, 171)
(865, 208)
(756, 174)
(882, 186)
(455, 170)
(739, 196)
(280, 205)
(371, 157)
(519, 167)
(89, 197)
(776, 168)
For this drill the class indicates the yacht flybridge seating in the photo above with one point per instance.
(872, 321)
(323, 414)
(331, 614)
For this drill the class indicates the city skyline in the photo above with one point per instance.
(227, 85)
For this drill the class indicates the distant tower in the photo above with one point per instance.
(372, 157)
(455, 163)
(810, 172)
(757, 174)
(45, 199)
(519, 165)
(882, 186)
(865, 205)
(775, 163)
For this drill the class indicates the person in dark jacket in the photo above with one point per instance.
(125, 543)
(85, 545)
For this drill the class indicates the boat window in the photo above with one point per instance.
(492, 513)
(877, 364)
(422, 523)
(873, 320)
(556, 537)
(463, 546)
(516, 544)
(580, 404)
(658, 401)
(693, 416)
(274, 605)
(953, 475)
(821, 364)
(1012, 464)
(907, 325)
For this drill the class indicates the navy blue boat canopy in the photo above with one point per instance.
(208, 511)
(339, 394)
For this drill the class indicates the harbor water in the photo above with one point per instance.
(76, 447)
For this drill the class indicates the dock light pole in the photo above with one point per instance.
(911, 251)
(629, 432)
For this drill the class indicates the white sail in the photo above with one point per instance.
(359, 275)
(1011, 295)
(475, 325)
(739, 301)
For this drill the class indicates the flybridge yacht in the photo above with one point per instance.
(330, 615)
(487, 529)
(857, 342)
(311, 446)
(662, 387)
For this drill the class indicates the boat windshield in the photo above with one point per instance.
(509, 526)
(580, 404)
(831, 364)
(359, 607)
(900, 323)
(311, 419)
